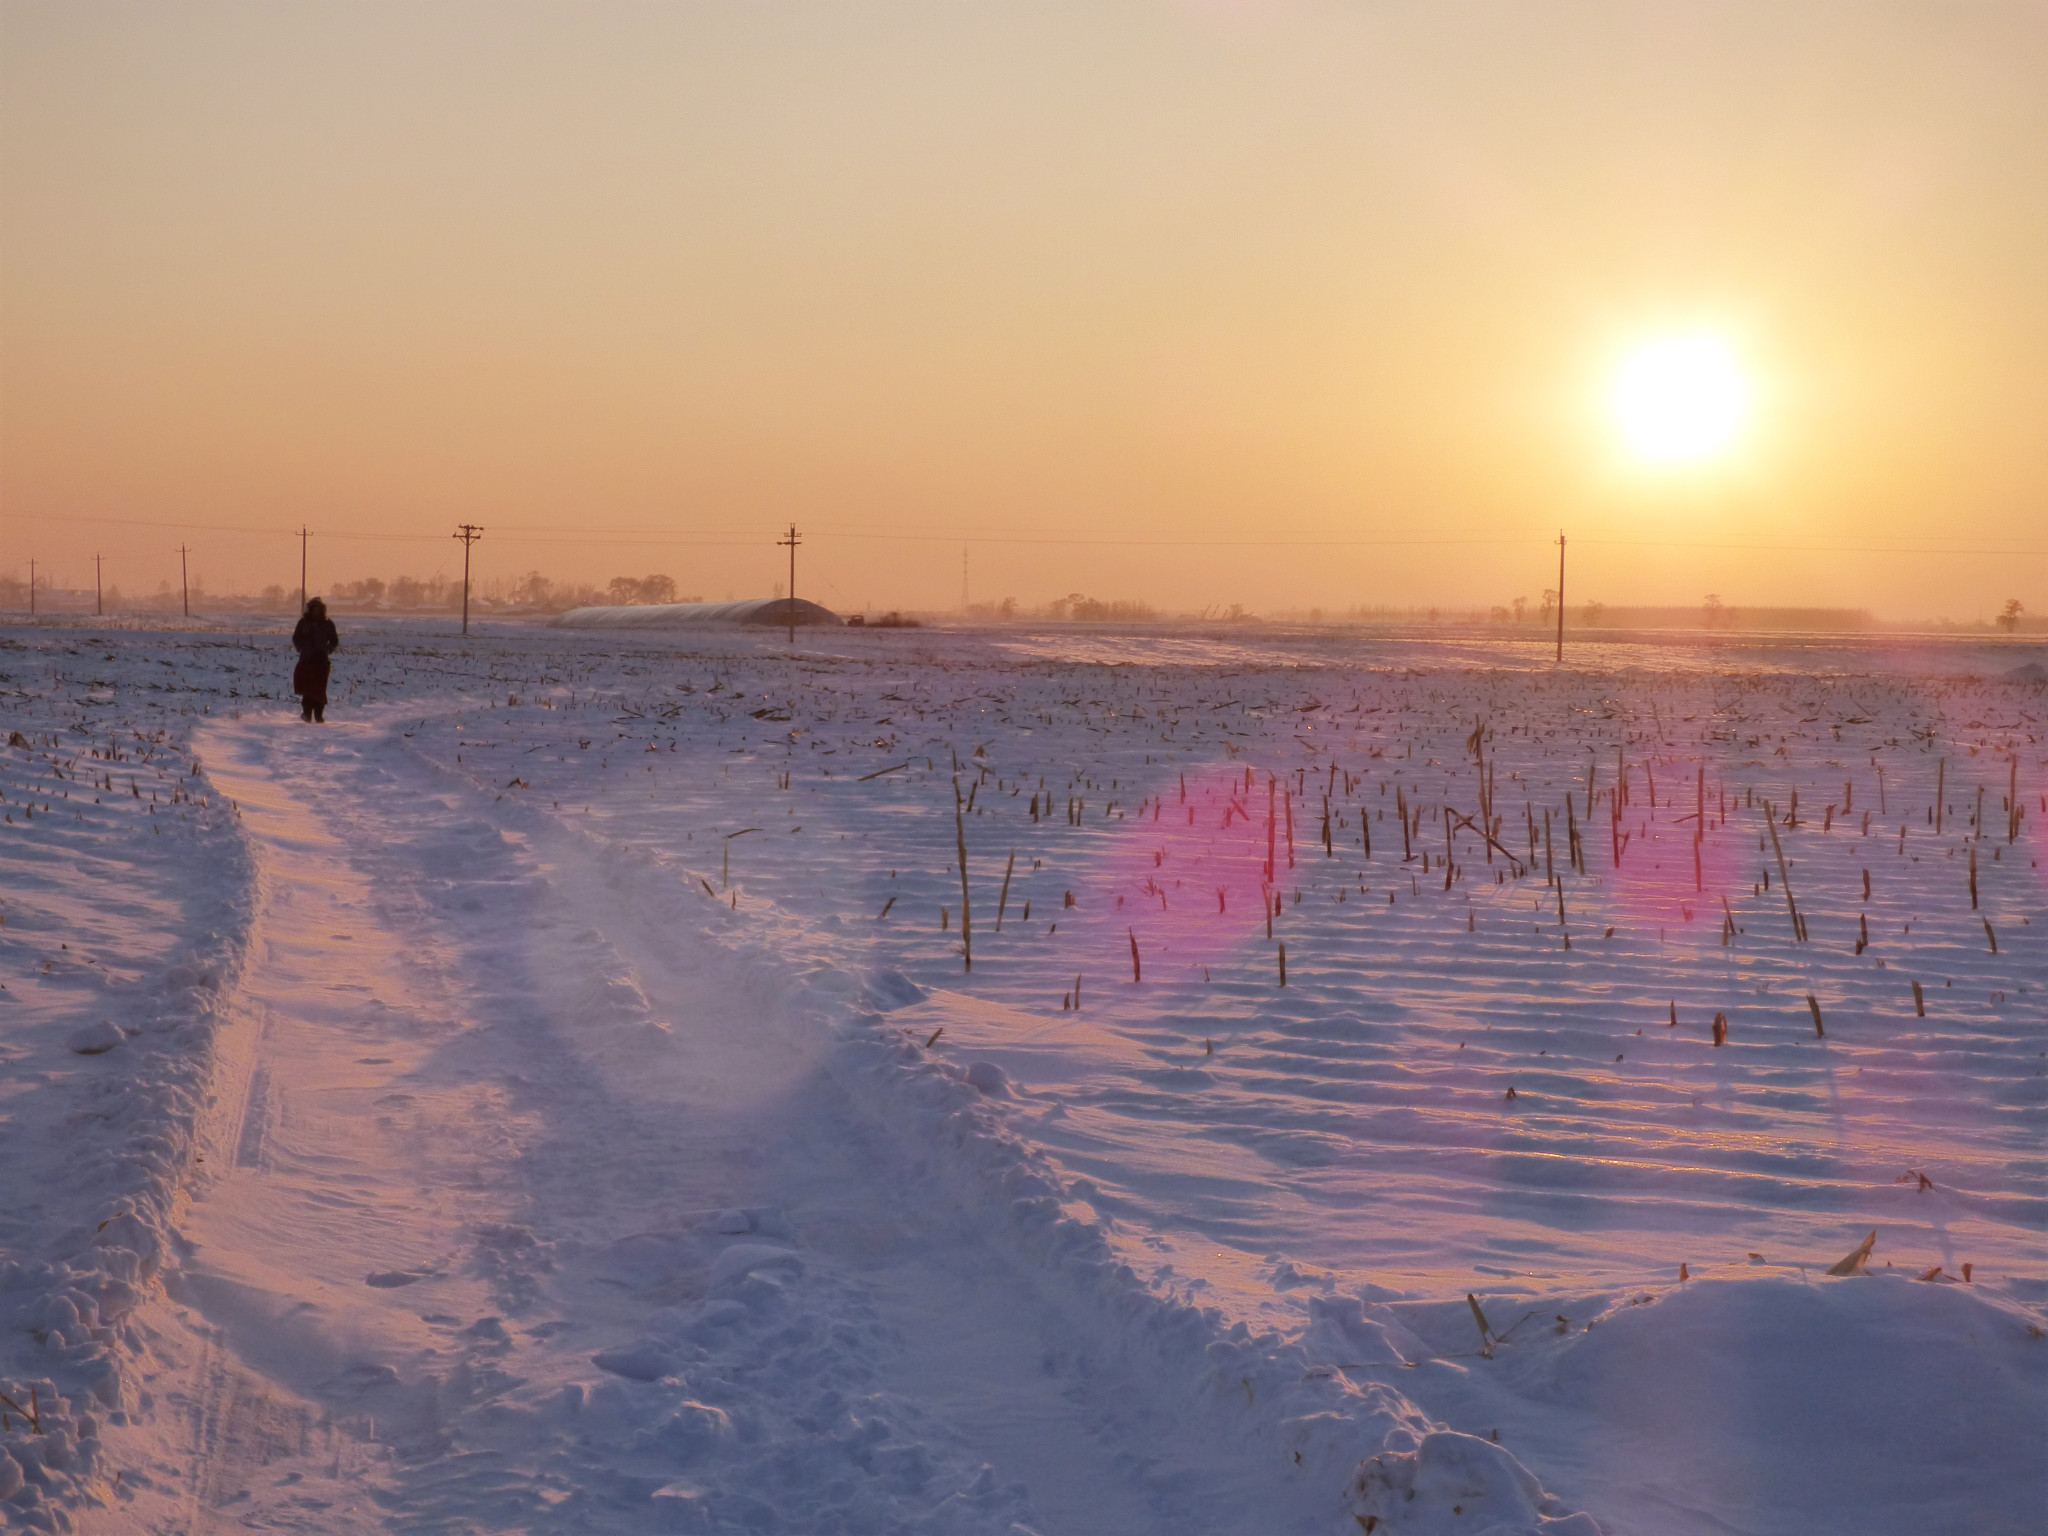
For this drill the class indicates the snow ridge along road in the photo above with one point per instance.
(528, 1206)
(124, 899)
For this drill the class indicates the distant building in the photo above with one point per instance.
(767, 612)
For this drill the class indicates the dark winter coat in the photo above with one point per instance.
(316, 639)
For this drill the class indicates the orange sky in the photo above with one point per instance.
(1139, 299)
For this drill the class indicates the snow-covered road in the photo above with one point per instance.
(459, 1152)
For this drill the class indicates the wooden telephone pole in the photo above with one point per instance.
(1560, 595)
(791, 543)
(304, 534)
(99, 601)
(31, 589)
(185, 579)
(469, 534)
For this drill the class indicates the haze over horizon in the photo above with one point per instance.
(1283, 304)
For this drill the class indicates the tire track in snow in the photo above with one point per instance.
(301, 1376)
(966, 1342)
(255, 1110)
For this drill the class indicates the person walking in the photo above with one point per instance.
(315, 639)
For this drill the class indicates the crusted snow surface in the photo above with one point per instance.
(123, 902)
(553, 1095)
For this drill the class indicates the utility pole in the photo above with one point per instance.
(31, 589)
(185, 580)
(791, 543)
(303, 533)
(1560, 595)
(470, 533)
(99, 602)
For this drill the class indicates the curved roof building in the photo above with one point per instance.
(768, 612)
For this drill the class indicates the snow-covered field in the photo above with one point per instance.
(554, 1095)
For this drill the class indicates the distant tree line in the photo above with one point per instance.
(537, 593)
(531, 593)
(1074, 608)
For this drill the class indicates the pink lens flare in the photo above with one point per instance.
(1664, 863)
(1190, 875)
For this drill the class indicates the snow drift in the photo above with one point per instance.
(764, 611)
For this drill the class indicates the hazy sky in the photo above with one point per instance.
(1137, 299)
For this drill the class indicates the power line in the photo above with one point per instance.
(142, 522)
(624, 538)
(672, 541)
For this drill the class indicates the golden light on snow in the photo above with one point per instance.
(1680, 399)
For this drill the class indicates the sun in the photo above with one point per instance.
(1680, 399)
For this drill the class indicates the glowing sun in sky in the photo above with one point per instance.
(1680, 399)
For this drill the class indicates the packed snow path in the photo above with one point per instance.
(459, 1152)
